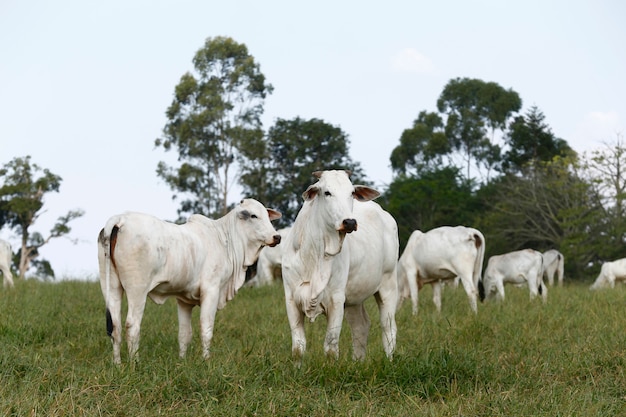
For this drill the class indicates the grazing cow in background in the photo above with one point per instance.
(519, 267)
(553, 263)
(330, 268)
(269, 264)
(5, 264)
(439, 255)
(609, 274)
(202, 262)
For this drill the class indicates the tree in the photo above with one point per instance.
(605, 170)
(436, 198)
(212, 114)
(285, 161)
(530, 140)
(21, 200)
(549, 206)
(473, 107)
(421, 147)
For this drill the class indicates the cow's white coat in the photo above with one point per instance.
(5, 264)
(610, 273)
(518, 268)
(338, 253)
(439, 255)
(201, 262)
(553, 264)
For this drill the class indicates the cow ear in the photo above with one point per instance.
(274, 215)
(317, 174)
(364, 193)
(310, 192)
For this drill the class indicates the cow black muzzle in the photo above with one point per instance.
(348, 226)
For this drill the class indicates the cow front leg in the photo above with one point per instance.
(413, 279)
(7, 281)
(296, 324)
(333, 329)
(360, 326)
(437, 295)
(208, 309)
(184, 327)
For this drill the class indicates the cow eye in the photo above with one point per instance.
(327, 193)
(254, 216)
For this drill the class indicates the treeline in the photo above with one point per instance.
(475, 161)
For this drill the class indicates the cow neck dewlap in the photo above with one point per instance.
(313, 253)
(235, 251)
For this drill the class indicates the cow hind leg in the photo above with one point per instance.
(359, 322)
(387, 310)
(114, 321)
(500, 289)
(471, 292)
(136, 306)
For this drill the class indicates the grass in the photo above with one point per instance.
(565, 358)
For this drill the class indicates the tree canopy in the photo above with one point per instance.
(24, 186)
(474, 108)
(214, 112)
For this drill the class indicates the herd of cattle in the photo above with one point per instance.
(203, 263)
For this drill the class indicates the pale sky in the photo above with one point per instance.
(84, 85)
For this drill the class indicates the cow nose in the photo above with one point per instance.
(349, 225)
(276, 240)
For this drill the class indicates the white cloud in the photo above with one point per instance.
(411, 60)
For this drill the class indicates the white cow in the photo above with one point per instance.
(269, 263)
(553, 263)
(518, 268)
(610, 273)
(441, 254)
(5, 264)
(202, 262)
(326, 271)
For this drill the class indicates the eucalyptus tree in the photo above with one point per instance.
(24, 186)
(475, 111)
(215, 110)
(422, 147)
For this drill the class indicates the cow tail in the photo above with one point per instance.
(107, 241)
(479, 242)
(481, 290)
(540, 278)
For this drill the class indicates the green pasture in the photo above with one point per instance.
(517, 358)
